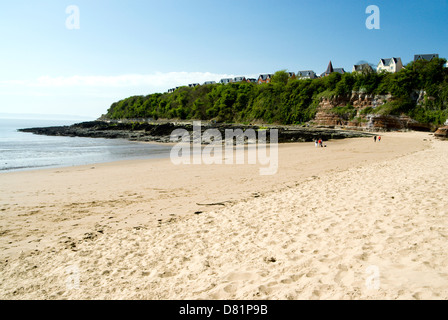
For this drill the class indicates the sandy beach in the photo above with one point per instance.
(355, 220)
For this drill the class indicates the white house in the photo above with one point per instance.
(390, 65)
(226, 80)
(306, 74)
(239, 79)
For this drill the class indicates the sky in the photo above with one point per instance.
(56, 60)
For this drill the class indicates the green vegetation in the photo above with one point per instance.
(293, 101)
(281, 77)
(347, 112)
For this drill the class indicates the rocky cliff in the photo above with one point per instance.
(326, 116)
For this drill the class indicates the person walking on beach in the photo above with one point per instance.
(374, 138)
(316, 143)
(379, 139)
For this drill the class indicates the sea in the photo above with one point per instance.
(26, 151)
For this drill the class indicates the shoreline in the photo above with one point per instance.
(163, 141)
(64, 210)
(92, 164)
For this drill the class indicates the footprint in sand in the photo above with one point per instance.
(312, 236)
(341, 273)
(286, 281)
(241, 276)
(231, 288)
(166, 274)
(265, 290)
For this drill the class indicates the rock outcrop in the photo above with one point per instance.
(143, 131)
(442, 133)
(363, 121)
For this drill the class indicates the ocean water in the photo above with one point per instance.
(27, 151)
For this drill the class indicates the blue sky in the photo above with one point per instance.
(138, 47)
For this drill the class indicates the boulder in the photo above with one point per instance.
(442, 133)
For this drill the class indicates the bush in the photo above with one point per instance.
(395, 107)
(366, 111)
(347, 112)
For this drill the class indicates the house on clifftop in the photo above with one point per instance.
(390, 65)
(330, 70)
(265, 78)
(239, 79)
(226, 81)
(427, 57)
(306, 74)
(362, 68)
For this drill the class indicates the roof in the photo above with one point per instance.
(427, 57)
(265, 76)
(305, 73)
(339, 70)
(388, 62)
(329, 68)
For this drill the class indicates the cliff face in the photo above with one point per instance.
(328, 118)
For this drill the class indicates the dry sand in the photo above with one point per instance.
(356, 220)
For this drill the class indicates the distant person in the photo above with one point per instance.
(316, 143)
(379, 139)
(374, 138)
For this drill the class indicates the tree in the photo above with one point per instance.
(280, 77)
